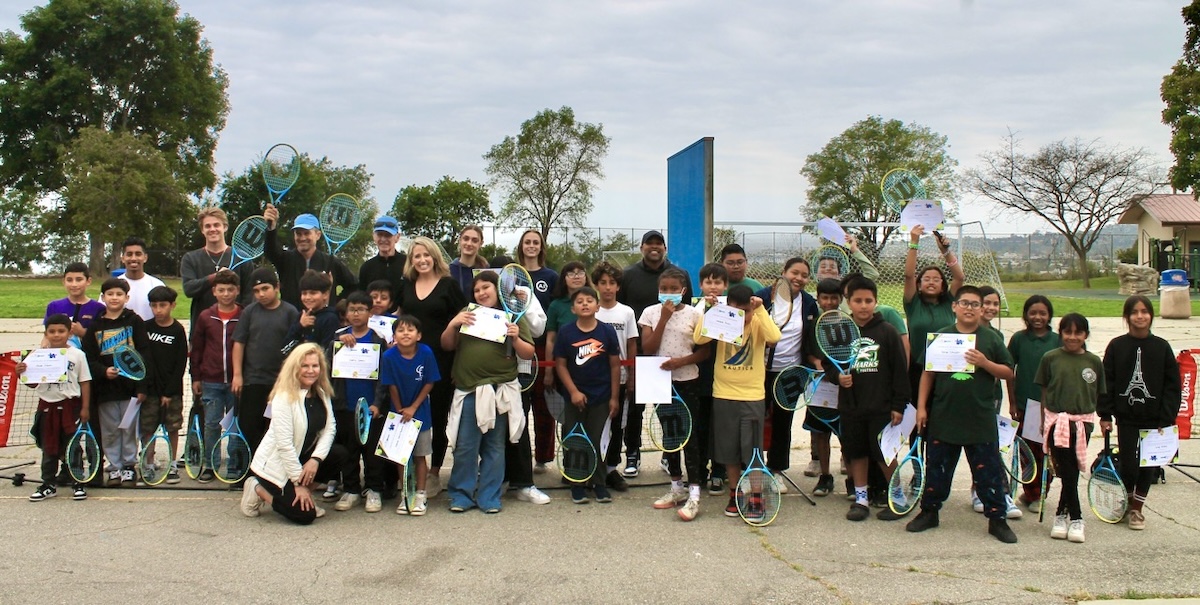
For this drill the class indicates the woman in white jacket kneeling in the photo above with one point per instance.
(298, 450)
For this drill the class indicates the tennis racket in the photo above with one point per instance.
(1020, 462)
(829, 252)
(793, 388)
(781, 301)
(1047, 477)
(757, 494)
(671, 425)
(556, 404)
(249, 241)
(340, 218)
(409, 484)
(83, 454)
(362, 419)
(527, 372)
(908, 480)
(577, 455)
(129, 363)
(193, 449)
(837, 336)
(516, 290)
(900, 185)
(231, 456)
(154, 461)
(1106, 491)
(280, 170)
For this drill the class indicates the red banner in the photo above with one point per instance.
(1187, 393)
(8, 392)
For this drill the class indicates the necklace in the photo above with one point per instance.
(216, 261)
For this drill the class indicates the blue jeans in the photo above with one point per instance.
(478, 461)
(217, 398)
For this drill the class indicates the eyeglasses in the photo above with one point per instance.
(969, 304)
(734, 263)
(575, 273)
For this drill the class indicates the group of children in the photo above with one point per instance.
(236, 354)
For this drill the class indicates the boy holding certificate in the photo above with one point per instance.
(962, 417)
(409, 372)
(348, 358)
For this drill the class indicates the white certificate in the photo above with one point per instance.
(653, 382)
(131, 412)
(894, 438)
(1159, 447)
(227, 419)
(360, 361)
(826, 395)
(724, 323)
(384, 326)
(1031, 429)
(947, 352)
(398, 438)
(927, 213)
(1007, 429)
(490, 324)
(830, 230)
(44, 366)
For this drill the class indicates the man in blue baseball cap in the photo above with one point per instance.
(304, 255)
(388, 264)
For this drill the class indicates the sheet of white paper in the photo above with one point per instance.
(826, 395)
(724, 323)
(1007, 428)
(490, 324)
(45, 366)
(227, 420)
(1159, 447)
(831, 230)
(1031, 429)
(653, 382)
(131, 412)
(398, 438)
(384, 326)
(893, 439)
(267, 411)
(927, 213)
(948, 352)
(360, 361)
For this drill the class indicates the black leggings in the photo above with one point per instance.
(283, 499)
(1066, 468)
(694, 458)
(1137, 478)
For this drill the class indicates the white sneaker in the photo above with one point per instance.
(250, 500)
(533, 495)
(402, 508)
(433, 485)
(419, 505)
(114, 478)
(374, 502)
(690, 509)
(320, 511)
(813, 469)
(1075, 531)
(347, 502)
(976, 503)
(1059, 530)
(539, 468)
(779, 480)
(671, 499)
(1014, 512)
(662, 463)
(331, 492)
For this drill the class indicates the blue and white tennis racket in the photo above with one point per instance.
(193, 449)
(341, 215)
(83, 454)
(362, 418)
(908, 480)
(156, 457)
(129, 363)
(577, 455)
(249, 241)
(280, 170)
(231, 456)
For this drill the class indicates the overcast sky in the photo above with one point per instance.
(417, 90)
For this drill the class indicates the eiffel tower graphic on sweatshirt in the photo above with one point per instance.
(1137, 384)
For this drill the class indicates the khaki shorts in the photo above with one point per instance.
(424, 445)
(153, 414)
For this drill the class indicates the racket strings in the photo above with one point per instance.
(905, 486)
(340, 217)
(578, 458)
(670, 427)
(231, 458)
(250, 237)
(83, 457)
(281, 168)
(1106, 495)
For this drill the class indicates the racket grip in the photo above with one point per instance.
(508, 347)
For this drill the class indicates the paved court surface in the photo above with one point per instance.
(190, 544)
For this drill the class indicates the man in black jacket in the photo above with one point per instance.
(388, 264)
(639, 281)
(291, 264)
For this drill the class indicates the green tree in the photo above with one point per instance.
(1181, 93)
(548, 171)
(133, 66)
(118, 185)
(844, 176)
(21, 236)
(440, 211)
(591, 248)
(1077, 187)
(245, 195)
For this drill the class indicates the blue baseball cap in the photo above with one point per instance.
(306, 221)
(387, 224)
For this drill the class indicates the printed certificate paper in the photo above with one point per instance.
(360, 361)
(44, 366)
(490, 324)
(725, 323)
(947, 352)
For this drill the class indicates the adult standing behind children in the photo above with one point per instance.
(462, 269)
(434, 298)
(388, 262)
(134, 257)
(639, 281)
(291, 264)
(199, 266)
(258, 343)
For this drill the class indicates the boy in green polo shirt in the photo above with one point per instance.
(962, 417)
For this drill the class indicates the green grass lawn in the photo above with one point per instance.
(27, 297)
(1082, 301)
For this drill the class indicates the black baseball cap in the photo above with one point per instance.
(652, 234)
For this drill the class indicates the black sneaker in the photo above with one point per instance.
(602, 495)
(878, 499)
(43, 491)
(631, 466)
(731, 509)
(858, 512)
(928, 519)
(887, 514)
(64, 476)
(578, 494)
(79, 493)
(206, 476)
(1000, 529)
(824, 486)
(616, 481)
